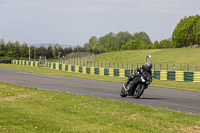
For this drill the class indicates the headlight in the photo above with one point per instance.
(142, 78)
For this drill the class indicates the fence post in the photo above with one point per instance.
(154, 66)
(180, 68)
(188, 67)
(160, 66)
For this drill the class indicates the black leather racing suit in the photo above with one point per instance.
(140, 70)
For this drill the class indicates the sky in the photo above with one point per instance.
(74, 22)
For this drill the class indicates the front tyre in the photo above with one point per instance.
(122, 92)
(138, 91)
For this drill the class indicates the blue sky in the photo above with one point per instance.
(73, 22)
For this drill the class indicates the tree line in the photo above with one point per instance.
(185, 34)
(124, 41)
(16, 50)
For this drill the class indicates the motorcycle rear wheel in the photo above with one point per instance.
(138, 91)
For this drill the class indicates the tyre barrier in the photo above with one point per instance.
(177, 75)
(157, 74)
(28, 63)
(90, 70)
(184, 76)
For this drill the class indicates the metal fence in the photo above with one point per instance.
(170, 67)
(79, 55)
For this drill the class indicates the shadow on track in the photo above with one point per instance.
(147, 98)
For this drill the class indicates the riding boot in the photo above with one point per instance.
(128, 81)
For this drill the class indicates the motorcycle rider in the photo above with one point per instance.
(144, 69)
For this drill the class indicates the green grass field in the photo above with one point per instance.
(159, 56)
(176, 56)
(25, 109)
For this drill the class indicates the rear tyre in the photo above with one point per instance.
(138, 91)
(122, 92)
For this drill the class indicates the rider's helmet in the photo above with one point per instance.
(148, 66)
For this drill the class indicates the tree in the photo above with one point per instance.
(56, 50)
(142, 36)
(93, 42)
(187, 32)
(165, 43)
(16, 52)
(49, 52)
(24, 50)
(123, 38)
(197, 38)
(109, 42)
(156, 45)
(41, 51)
(67, 50)
(10, 49)
(134, 45)
(2, 47)
(78, 49)
(33, 51)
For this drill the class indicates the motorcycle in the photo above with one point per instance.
(137, 86)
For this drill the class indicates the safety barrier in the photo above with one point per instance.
(23, 62)
(90, 70)
(157, 74)
(177, 76)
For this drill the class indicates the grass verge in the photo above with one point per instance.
(159, 56)
(156, 83)
(26, 109)
(169, 58)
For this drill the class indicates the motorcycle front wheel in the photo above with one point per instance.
(122, 92)
(138, 91)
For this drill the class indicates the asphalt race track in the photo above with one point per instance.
(178, 100)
